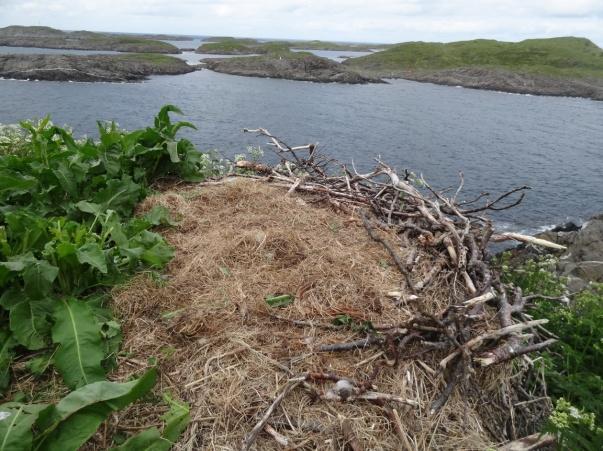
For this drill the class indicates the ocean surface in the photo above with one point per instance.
(498, 140)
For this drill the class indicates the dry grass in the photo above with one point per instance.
(220, 349)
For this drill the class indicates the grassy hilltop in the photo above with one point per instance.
(565, 56)
(46, 37)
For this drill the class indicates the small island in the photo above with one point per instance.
(566, 66)
(285, 64)
(50, 38)
(91, 68)
(247, 46)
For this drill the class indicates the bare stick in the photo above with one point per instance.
(375, 236)
(250, 438)
(493, 335)
(526, 239)
(280, 438)
(358, 344)
(530, 443)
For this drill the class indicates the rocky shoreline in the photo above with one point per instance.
(290, 66)
(505, 81)
(90, 68)
(582, 261)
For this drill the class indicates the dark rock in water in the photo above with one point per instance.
(569, 226)
(90, 68)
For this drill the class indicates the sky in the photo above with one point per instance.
(341, 20)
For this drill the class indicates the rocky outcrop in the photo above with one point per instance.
(582, 261)
(91, 68)
(501, 80)
(290, 66)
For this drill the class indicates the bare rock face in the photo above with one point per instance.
(582, 262)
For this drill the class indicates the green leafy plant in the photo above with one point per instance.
(574, 428)
(353, 324)
(176, 420)
(67, 425)
(67, 235)
(280, 300)
(574, 365)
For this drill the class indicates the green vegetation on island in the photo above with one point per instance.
(248, 46)
(46, 37)
(555, 66)
(280, 62)
(569, 56)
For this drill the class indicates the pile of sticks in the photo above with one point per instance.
(456, 233)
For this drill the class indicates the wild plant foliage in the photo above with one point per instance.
(574, 366)
(67, 233)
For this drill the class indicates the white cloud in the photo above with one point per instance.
(352, 20)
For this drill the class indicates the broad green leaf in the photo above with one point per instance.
(69, 424)
(182, 124)
(120, 195)
(16, 421)
(14, 266)
(93, 255)
(159, 215)
(89, 207)
(172, 148)
(65, 178)
(39, 364)
(7, 343)
(65, 250)
(78, 333)
(159, 255)
(163, 117)
(13, 184)
(176, 421)
(38, 277)
(145, 441)
(280, 301)
(29, 321)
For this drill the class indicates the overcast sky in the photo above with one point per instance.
(344, 20)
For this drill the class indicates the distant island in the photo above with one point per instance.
(91, 68)
(244, 46)
(565, 66)
(282, 63)
(46, 37)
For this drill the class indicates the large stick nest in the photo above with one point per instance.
(400, 334)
